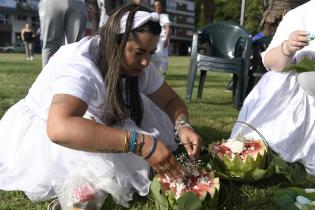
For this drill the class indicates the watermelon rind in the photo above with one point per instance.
(166, 199)
(250, 169)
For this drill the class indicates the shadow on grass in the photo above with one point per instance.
(184, 77)
(195, 100)
(210, 134)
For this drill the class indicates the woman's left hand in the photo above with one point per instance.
(191, 140)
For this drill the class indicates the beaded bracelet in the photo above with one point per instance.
(126, 142)
(140, 146)
(133, 141)
(287, 55)
(177, 132)
(153, 148)
(182, 122)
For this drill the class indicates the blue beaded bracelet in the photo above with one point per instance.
(133, 141)
(153, 148)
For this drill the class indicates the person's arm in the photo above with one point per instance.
(167, 35)
(279, 57)
(68, 128)
(22, 34)
(166, 98)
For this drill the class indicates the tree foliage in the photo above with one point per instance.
(208, 11)
(260, 15)
(231, 11)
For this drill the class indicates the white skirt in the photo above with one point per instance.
(30, 162)
(284, 113)
(160, 58)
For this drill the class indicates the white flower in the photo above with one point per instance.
(235, 145)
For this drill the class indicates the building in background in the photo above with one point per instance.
(182, 16)
(15, 13)
(13, 16)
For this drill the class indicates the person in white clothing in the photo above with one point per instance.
(160, 58)
(61, 21)
(103, 15)
(282, 105)
(100, 110)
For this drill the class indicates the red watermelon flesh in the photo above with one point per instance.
(251, 147)
(200, 183)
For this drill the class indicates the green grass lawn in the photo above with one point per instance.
(212, 116)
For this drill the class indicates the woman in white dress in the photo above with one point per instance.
(91, 111)
(160, 58)
(282, 105)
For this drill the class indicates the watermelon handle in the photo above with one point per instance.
(257, 131)
(262, 138)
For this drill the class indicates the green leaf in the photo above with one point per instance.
(308, 207)
(284, 192)
(285, 198)
(171, 199)
(301, 191)
(285, 203)
(305, 65)
(211, 202)
(161, 200)
(189, 201)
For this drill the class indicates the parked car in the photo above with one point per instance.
(17, 47)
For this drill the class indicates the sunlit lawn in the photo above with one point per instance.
(212, 116)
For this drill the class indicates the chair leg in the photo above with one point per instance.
(201, 82)
(190, 82)
(192, 67)
(238, 94)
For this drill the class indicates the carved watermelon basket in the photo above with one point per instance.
(241, 158)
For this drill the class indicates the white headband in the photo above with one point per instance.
(140, 18)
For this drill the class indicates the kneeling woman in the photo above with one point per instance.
(91, 111)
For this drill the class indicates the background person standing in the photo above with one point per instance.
(160, 59)
(27, 36)
(62, 21)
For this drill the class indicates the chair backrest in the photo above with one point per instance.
(225, 38)
(262, 43)
(258, 47)
(222, 47)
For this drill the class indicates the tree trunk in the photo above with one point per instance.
(208, 13)
(204, 12)
(274, 11)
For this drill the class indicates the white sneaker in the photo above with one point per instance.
(31, 58)
(27, 59)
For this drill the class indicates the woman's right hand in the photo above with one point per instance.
(296, 41)
(162, 160)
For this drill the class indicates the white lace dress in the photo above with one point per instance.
(30, 162)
